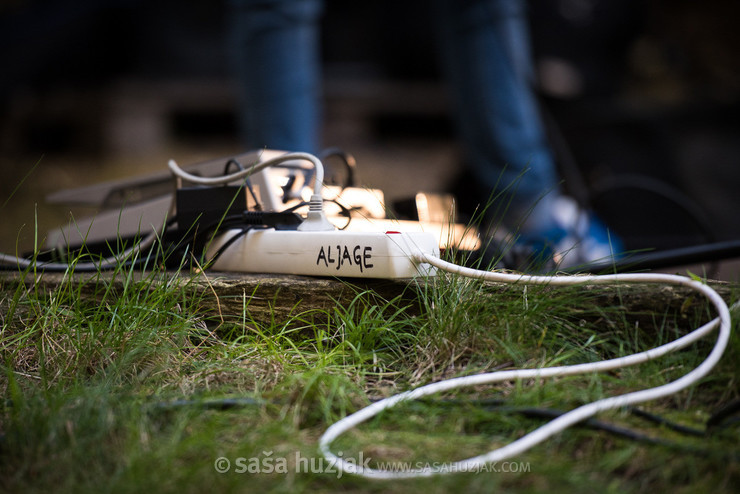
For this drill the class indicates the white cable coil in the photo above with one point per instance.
(567, 419)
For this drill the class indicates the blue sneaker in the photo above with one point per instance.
(573, 237)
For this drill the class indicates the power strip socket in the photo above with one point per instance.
(385, 255)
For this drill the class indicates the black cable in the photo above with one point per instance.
(53, 261)
(573, 178)
(232, 161)
(247, 182)
(719, 418)
(78, 269)
(180, 242)
(658, 188)
(663, 259)
(344, 211)
(246, 221)
(349, 162)
(228, 244)
(595, 424)
(590, 195)
(500, 406)
(211, 404)
(657, 419)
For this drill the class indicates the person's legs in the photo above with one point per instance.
(276, 49)
(486, 58)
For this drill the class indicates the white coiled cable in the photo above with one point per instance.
(567, 419)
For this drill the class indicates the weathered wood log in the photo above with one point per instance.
(227, 296)
(278, 297)
(265, 297)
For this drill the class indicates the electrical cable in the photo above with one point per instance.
(657, 419)
(595, 424)
(349, 162)
(565, 420)
(568, 167)
(498, 406)
(232, 161)
(539, 412)
(244, 222)
(719, 418)
(226, 179)
(315, 218)
(315, 214)
(560, 421)
(106, 263)
(228, 243)
(247, 182)
(211, 404)
(675, 196)
(728, 249)
(344, 211)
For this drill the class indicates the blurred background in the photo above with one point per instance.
(642, 100)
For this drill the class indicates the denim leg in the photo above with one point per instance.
(275, 48)
(486, 57)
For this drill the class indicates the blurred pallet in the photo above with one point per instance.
(142, 115)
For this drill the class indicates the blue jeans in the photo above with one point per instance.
(276, 56)
(486, 57)
(484, 48)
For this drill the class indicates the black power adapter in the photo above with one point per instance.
(200, 207)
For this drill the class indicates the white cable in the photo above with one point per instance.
(225, 179)
(316, 211)
(315, 219)
(106, 263)
(567, 419)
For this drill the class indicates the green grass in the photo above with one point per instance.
(94, 376)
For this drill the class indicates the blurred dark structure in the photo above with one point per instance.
(643, 98)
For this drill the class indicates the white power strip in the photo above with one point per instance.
(387, 255)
